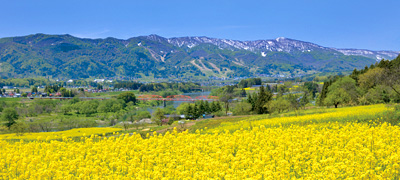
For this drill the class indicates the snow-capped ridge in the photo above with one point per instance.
(262, 47)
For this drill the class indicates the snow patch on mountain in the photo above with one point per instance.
(263, 54)
(378, 55)
(280, 44)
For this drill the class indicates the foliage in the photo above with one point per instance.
(142, 115)
(194, 111)
(158, 116)
(127, 97)
(337, 96)
(173, 117)
(127, 85)
(87, 107)
(371, 78)
(311, 88)
(324, 91)
(66, 109)
(9, 115)
(19, 128)
(242, 108)
(262, 98)
(182, 87)
(249, 82)
(278, 105)
(41, 55)
(111, 105)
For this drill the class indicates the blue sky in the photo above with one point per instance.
(362, 24)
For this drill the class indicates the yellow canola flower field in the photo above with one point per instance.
(249, 89)
(331, 150)
(78, 132)
(324, 151)
(348, 114)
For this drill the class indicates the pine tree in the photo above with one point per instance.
(262, 98)
(324, 92)
(252, 100)
(207, 107)
(243, 93)
(196, 112)
(201, 108)
(218, 106)
(189, 112)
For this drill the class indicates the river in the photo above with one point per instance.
(177, 103)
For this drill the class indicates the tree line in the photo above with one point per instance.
(199, 108)
(378, 83)
(12, 111)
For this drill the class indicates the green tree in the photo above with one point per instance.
(279, 105)
(9, 115)
(88, 107)
(66, 108)
(207, 108)
(371, 78)
(142, 115)
(34, 89)
(111, 105)
(99, 86)
(324, 92)
(336, 97)
(182, 108)
(349, 86)
(173, 117)
(201, 106)
(213, 107)
(189, 113)
(169, 109)
(19, 128)
(304, 100)
(158, 116)
(243, 93)
(263, 98)
(252, 100)
(242, 108)
(294, 101)
(127, 97)
(311, 87)
(74, 100)
(196, 112)
(226, 99)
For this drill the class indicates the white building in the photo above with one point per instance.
(99, 80)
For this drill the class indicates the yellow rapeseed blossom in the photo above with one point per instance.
(334, 114)
(249, 89)
(325, 150)
(60, 134)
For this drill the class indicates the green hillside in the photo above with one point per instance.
(65, 56)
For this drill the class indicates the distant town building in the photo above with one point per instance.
(99, 80)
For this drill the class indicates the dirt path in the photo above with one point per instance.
(187, 125)
(191, 123)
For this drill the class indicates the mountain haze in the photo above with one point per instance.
(66, 56)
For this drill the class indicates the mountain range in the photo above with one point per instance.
(153, 56)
